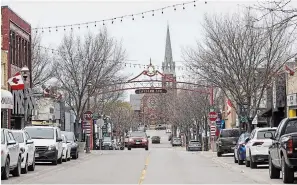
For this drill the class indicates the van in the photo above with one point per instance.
(48, 143)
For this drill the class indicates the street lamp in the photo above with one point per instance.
(25, 73)
(88, 107)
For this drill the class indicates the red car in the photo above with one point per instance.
(138, 140)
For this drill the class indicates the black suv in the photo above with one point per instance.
(227, 141)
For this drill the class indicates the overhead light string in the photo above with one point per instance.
(112, 20)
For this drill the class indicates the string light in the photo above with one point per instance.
(112, 20)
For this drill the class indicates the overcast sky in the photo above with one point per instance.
(143, 38)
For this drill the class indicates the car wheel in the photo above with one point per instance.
(6, 171)
(235, 160)
(32, 166)
(60, 160)
(17, 171)
(274, 173)
(55, 162)
(146, 148)
(25, 170)
(219, 154)
(287, 173)
(129, 148)
(253, 165)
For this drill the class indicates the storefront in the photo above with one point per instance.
(6, 105)
(292, 105)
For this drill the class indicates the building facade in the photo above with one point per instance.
(16, 42)
(292, 92)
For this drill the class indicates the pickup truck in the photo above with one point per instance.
(283, 150)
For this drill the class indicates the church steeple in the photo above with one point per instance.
(168, 64)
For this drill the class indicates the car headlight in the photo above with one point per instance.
(51, 147)
(22, 150)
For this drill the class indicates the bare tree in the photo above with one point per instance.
(239, 59)
(42, 68)
(96, 58)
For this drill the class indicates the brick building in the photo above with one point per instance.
(16, 42)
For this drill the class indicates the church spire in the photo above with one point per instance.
(168, 64)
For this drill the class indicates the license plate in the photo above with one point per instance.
(137, 142)
(36, 155)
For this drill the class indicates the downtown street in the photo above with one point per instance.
(162, 164)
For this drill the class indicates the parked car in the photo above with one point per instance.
(257, 147)
(138, 140)
(66, 145)
(239, 149)
(48, 143)
(156, 139)
(168, 131)
(160, 127)
(283, 150)
(10, 155)
(74, 146)
(27, 149)
(227, 141)
(176, 141)
(107, 143)
(194, 146)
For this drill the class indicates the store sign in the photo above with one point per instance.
(292, 100)
(6, 100)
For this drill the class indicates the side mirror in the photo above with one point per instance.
(59, 140)
(269, 135)
(11, 142)
(29, 142)
(148, 136)
(247, 140)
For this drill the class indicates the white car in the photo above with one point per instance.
(48, 143)
(27, 148)
(10, 155)
(66, 149)
(168, 131)
(257, 147)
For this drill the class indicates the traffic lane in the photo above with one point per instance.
(42, 169)
(104, 167)
(260, 174)
(178, 166)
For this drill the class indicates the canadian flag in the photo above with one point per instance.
(289, 70)
(16, 82)
(229, 106)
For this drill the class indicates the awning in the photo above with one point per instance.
(6, 99)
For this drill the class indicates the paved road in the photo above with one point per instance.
(161, 164)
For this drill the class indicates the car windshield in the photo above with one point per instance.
(18, 136)
(107, 139)
(2, 137)
(137, 134)
(260, 134)
(194, 142)
(40, 133)
(291, 127)
(155, 137)
(230, 133)
(176, 139)
(69, 136)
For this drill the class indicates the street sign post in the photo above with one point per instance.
(213, 130)
(212, 116)
(150, 91)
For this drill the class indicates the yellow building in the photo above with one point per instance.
(292, 93)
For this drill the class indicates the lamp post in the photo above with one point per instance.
(25, 72)
(88, 107)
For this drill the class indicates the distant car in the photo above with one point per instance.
(239, 149)
(168, 131)
(74, 146)
(138, 140)
(257, 147)
(27, 148)
(66, 149)
(194, 146)
(10, 155)
(160, 127)
(156, 139)
(107, 143)
(227, 141)
(176, 141)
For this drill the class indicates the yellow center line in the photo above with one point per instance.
(143, 172)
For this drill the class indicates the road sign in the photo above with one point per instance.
(150, 91)
(255, 120)
(212, 116)
(88, 115)
(213, 130)
(104, 129)
(86, 125)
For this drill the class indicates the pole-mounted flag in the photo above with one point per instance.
(16, 82)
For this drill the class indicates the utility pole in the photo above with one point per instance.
(88, 107)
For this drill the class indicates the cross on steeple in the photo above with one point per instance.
(168, 64)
